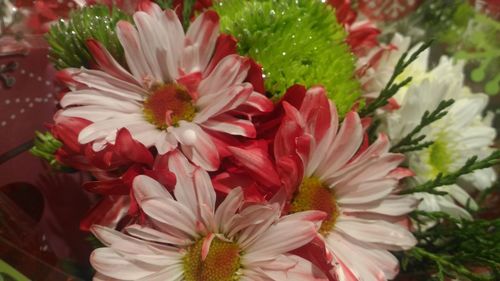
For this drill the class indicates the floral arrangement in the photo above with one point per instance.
(274, 140)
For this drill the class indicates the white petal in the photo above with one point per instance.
(202, 36)
(153, 235)
(108, 262)
(393, 205)
(228, 208)
(100, 80)
(366, 263)
(197, 145)
(136, 61)
(279, 239)
(379, 232)
(93, 97)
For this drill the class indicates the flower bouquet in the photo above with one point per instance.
(280, 140)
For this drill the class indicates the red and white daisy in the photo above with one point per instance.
(338, 173)
(180, 86)
(188, 238)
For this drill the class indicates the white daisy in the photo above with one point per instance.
(188, 238)
(180, 86)
(458, 136)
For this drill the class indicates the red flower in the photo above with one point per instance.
(362, 35)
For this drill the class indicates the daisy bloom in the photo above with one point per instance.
(352, 182)
(188, 238)
(179, 87)
(458, 136)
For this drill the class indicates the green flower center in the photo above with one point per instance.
(314, 195)
(167, 105)
(440, 157)
(221, 263)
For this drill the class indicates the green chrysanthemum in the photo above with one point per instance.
(67, 38)
(296, 41)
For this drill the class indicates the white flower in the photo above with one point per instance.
(188, 238)
(458, 136)
(180, 86)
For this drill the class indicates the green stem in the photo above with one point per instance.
(442, 262)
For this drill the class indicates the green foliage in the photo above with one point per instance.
(392, 87)
(412, 142)
(187, 10)
(372, 130)
(468, 34)
(76, 269)
(67, 38)
(45, 147)
(453, 248)
(164, 4)
(445, 20)
(94, 242)
(464, 32)
(482, 48)
(296, 42)
(441, 179)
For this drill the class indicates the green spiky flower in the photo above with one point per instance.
(296, 41)
(67, 37)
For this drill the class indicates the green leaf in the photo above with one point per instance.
(453, 247)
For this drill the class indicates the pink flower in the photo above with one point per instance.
(188, 238)
(325, 169)
(180, 87)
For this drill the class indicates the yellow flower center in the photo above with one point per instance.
(221, 263)
(167, 105)
(314, 195)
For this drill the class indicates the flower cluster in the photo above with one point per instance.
(207, 170)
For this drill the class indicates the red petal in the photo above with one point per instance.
(191, 82)
(316, 252)
(291, 171)
(225, 45)
(315, 110)
(131, 149)
(255, 77)
(258, 164)
(106, 62)
(66, 129)
(295, 95)
(108, 212)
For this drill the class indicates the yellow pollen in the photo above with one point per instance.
(167, 105)
(313, 195)
(221, 263)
